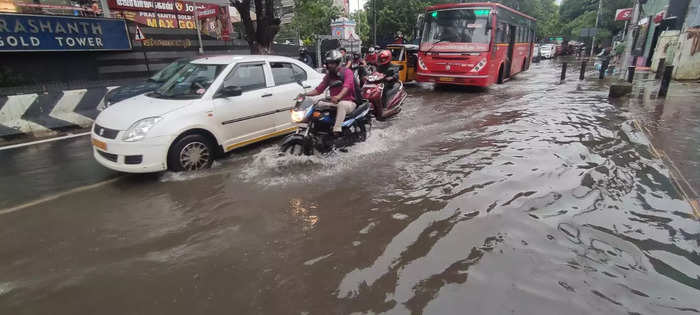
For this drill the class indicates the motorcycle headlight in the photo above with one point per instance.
(139, 129)
(298, 116)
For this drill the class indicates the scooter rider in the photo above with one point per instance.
(342, 97)
(390, 71)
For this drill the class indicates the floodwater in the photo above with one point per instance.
(532, 197)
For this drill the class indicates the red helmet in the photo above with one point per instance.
(384, 57)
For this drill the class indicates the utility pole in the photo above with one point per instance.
(374, 24)
(628, 40)
(597, 18)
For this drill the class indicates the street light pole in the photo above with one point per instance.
(374, 24)
(597, 17)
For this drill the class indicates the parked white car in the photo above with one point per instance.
(548, 51)
(212, 105)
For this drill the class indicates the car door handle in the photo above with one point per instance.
(266, 95)
(306, 86)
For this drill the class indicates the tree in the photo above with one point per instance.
(314, 17)
(362, 28)
(578, 14)
(396, 15)
(545, 11)
(260, 34)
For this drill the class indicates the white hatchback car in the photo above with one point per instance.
(212, 105)
(548, 51)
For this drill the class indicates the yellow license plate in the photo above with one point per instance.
(446, 79)
(99, 144)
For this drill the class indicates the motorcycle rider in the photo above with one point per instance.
(342, 97)
(391, 73)
(371, 57)
(305, 57)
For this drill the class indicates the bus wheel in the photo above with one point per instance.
(500, 74)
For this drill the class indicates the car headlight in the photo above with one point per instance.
(139, 129)
(298, 116)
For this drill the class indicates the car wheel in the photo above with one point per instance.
(191, 153)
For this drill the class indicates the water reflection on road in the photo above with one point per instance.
(531, 197)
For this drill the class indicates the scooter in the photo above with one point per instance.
(373, 91)
(315, 127)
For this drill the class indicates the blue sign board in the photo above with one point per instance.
(23, 32)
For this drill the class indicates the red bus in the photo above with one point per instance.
(474, 44)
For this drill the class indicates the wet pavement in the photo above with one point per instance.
(532, 197)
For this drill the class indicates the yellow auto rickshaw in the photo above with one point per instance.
(405, 56)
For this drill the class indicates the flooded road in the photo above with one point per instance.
(531, 197)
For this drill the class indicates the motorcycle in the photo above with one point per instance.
(373, 91)
(315, 127)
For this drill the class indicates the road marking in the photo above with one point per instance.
(11, 114)
(43, 141)
(65, 108)
(56, 196)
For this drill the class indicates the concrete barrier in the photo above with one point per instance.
(44, 114)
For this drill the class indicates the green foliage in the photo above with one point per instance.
(314, 17)
(545, 11)
(363, 28)
(578, 14)
(396, 15)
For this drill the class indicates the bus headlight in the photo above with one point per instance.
(421, 65)
(479, 65)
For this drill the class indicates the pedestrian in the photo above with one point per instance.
(347, 61)
(305, 57)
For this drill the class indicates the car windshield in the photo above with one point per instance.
(168, 72)
(191, 81)
(458, 26)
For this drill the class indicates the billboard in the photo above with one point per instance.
(623, 14)
(23, 32)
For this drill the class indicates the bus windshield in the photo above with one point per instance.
(450, 28)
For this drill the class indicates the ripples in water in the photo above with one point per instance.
(552, 203)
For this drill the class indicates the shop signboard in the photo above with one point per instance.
(24, 32)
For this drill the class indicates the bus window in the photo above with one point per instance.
(501, 33)
(458, 26)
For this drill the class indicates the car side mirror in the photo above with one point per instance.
(229, 91)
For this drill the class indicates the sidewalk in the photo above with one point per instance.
(672, 125)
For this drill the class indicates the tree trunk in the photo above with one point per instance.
(260, 34)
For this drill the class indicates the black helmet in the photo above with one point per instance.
(333, 56)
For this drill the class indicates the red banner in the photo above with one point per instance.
(659, 16)
(167, 20)
(623, 14)
(186, 21)
(167, 6)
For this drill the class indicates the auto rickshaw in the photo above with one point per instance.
(405, 56)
